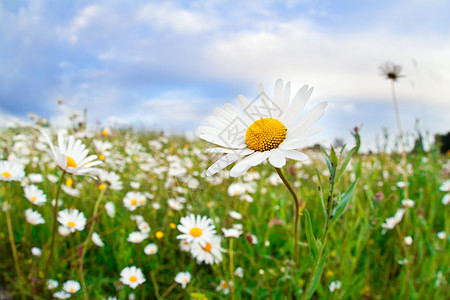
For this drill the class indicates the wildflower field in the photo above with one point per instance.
(120, 214)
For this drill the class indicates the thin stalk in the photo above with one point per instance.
(296, 212)
(55, 213)
(169, 290)
(403, 153)
(155, 285)
(85, 245)
(231, 266)
(11, 237)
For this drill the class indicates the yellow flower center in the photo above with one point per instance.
(71, 224)
(133, 202)
(173, 225)
(265, 134)
(71, 162)
(133, 279)
(101, 157)
(33, 198)
(196, 232)
(102, 186)
(72, 290)
(6, 174)
(207, 247)
(185, 280)
(105, 132)
(69, 182)
(159, 235)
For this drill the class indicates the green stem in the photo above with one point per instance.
(155, 285)
(169, 290)
(85, 245)
(11, 237)
(296, 212)
(55, 213)
(231, 266)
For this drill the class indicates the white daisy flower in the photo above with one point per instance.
(71, 286)
(391, 71)
(52, 284)
(392, 221)
(144, 227)
(185, 246)
(133, 200)
(10, 171)
(408, 203)
(136, 237)
(71, 156)
(441, 235)
(224, 286)
(239, 272)
(73, 219)
(183, 278)
(132, 276)
(36, 251)
(210, 254)
(110, 209)
(97, 240)
(71, 191)
(264, 130)
(196, 229)
(151, 249)
(34, 217)
(408, 240)
(235, 215)
(111, 178)
(35, 177)
(34, 195)
(63, 230)
(446, 199)
(445, 186)
(335, 285)
(174, 204)
(62, 295)
(232, 232)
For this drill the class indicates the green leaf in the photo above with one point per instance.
(310, 236)
(333, 158)
(322, 202)
(345, 163)
(317, 274)
(338, 211)
(327, 159)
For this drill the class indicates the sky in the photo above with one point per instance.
(166, 64)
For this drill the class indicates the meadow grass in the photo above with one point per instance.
(362, 258)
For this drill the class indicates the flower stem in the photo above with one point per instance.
(231, 266)
(169, 290)
(55, 213)
(85, 245)
(296, 212)
(11, 237)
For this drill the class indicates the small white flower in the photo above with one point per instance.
(232, 232)
(402, 261)
(335, 285)
(408, 240)
(151, 249)
(97, 240)
(71, 286)
(392, 221)
(210, 254)
(224, 286)
(408, 203)
(445, 186)
(239, 272)
(34, 217)
(36, 251)
(73, 219)
(110, 209)
(183, 278)
(132, 276)
(136, 237)
(441, 235)
(10, 171)
(196, 229)
(34, 195)
(446, 199)
(63, 230)
(52, 284)
(144, 227)
(62, 295)
(134, 200)
(235, 215)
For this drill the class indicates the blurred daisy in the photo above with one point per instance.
(33, 217)
(151, 249)
(111, 178)
(232, 232)
(110, 209)
(52, 284)
(391, 71)
(183, 278)
(71, 286)
(210, 254)
(35, 178)
(408, 240)
(264, 130)
(71, 156)
(408, 203)
(73, 219)
(185, 246)
(441, 235)
(11, 171)
(390, 223)
(239, 272)
(36, 251)
(235, 215)
(34, 195)
(174, 204)
(136, 237)
(224, 286)
(445, 186)
(133, 200)
(334, 285)
(62, 295)
(97, 240)
(144, 227)
(132, 276)
(196, 229)
(63, 230)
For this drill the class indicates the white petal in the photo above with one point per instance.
(277, 158)
(239, 144)
(223, 162)
(294, 154)
(297, 106)
(248, 162)
(311, 117)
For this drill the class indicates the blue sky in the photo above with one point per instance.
(166, 64)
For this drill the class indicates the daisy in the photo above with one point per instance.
(111, 178)
(334, 285)
(185, 246)
(408, 203)
(35, 178)
(136, 237)
(174, 204)
(224, 287)
(408, 240)
(97, 240)
(11, 171)
(36, 251)
(144, 227)
(235, 215)
(133, 200)
(210, 254)
(239, 272)
(71, 156)
(392, 221)
(34, 217)
(232, 232)
(73, 219)
(183, 278)
(196, 229)
(34, 195)
(52, 284)
(441, 235)
(151, 249)
(63, 230)
(391, 71)
(266, 129)
(132, 276)
(62, 295)
(71, 286)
